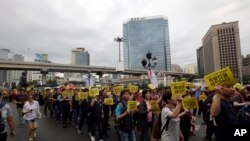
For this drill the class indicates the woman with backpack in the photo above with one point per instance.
(145, 116)
(170, 118)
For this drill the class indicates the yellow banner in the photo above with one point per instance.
(132, 105)
(178, 88)
(108, 101)
(94, 92)
(154, 105)
(83, 95)
(151, 86)
(221, 77)
(190, 103)
(203, 97)
(117, 90)
(133, 88)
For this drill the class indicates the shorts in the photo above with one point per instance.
(33, 120)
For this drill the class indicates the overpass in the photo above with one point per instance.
(99, 70)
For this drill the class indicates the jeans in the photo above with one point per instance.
(75, 116)
(83, 117)
(20, 115)
(65, 114)
(97, 123)
(127, 136)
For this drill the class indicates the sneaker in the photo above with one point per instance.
(101, 140)
(79, 131)
(92, 138)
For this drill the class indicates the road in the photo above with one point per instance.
(49, 130)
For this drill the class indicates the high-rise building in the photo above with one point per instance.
(14, 75)
(176, 68)
(200, 61)
(246, 65)
(146, 34)
(190, 68)
(4, 53)
(80, 56)
(221, 48)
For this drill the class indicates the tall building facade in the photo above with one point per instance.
(200, 62)
(146, 34)
(176, 68)
(4, 55)
(221, 48)
(14, 75)
(190, 68)
(80, 56)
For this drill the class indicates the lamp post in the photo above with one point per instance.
(119, 40)
(89, 76)
(150, 62)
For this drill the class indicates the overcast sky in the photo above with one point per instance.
(57, 26)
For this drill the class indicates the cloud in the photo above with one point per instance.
(55, 27)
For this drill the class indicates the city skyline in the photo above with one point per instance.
(57, 27)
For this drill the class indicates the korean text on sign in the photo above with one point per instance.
(132, 105)
(94, 92)
(154, 105)
(190, 103)
(117, 90)
(221, 77)
(108, 101)
(178, 88)
(83, 95)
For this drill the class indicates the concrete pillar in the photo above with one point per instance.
(44, 78)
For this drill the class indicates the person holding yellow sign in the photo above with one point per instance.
(106, 111)
(145, 116)
(75, 108)
(170, 114)
(124, 118)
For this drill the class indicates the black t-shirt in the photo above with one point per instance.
(21, 98)
(226, 119)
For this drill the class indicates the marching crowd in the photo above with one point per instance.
(221, 108)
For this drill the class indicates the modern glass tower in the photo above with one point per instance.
(146, 34)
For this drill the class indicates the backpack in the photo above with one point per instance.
(2, 122)
(157, 130)
(126, 124)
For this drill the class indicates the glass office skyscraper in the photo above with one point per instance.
(146, 34)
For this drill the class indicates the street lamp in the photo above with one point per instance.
(150, 62)
(89, 76)
(119, 40)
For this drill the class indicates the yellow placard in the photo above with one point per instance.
(151, 86)
(178, 88)
(83, 95)
(221, 77)
(70, 94)
(132, 105)
(154, 105)
(98, 86)
(133, 88)
(117, 90)
(108, 101)
(190, 103)
(77, 97)
(64, 94)
(94, 92)
(203, 97)
(105, 87)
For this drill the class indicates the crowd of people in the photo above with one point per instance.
(221, 108)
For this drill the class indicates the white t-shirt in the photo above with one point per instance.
(35, 110)
(173, 130)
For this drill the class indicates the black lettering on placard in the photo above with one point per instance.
(225, 76)
(211, 81)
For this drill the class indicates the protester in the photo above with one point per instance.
(31, 113)
(96, 120)
(124, 119)
(6, 117)
(196, 94)
(20, 99)
(224, 113)
(171, 112)
(106, 112)
(145, 116)
(65, 108)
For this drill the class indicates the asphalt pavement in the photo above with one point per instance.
(50, 130)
